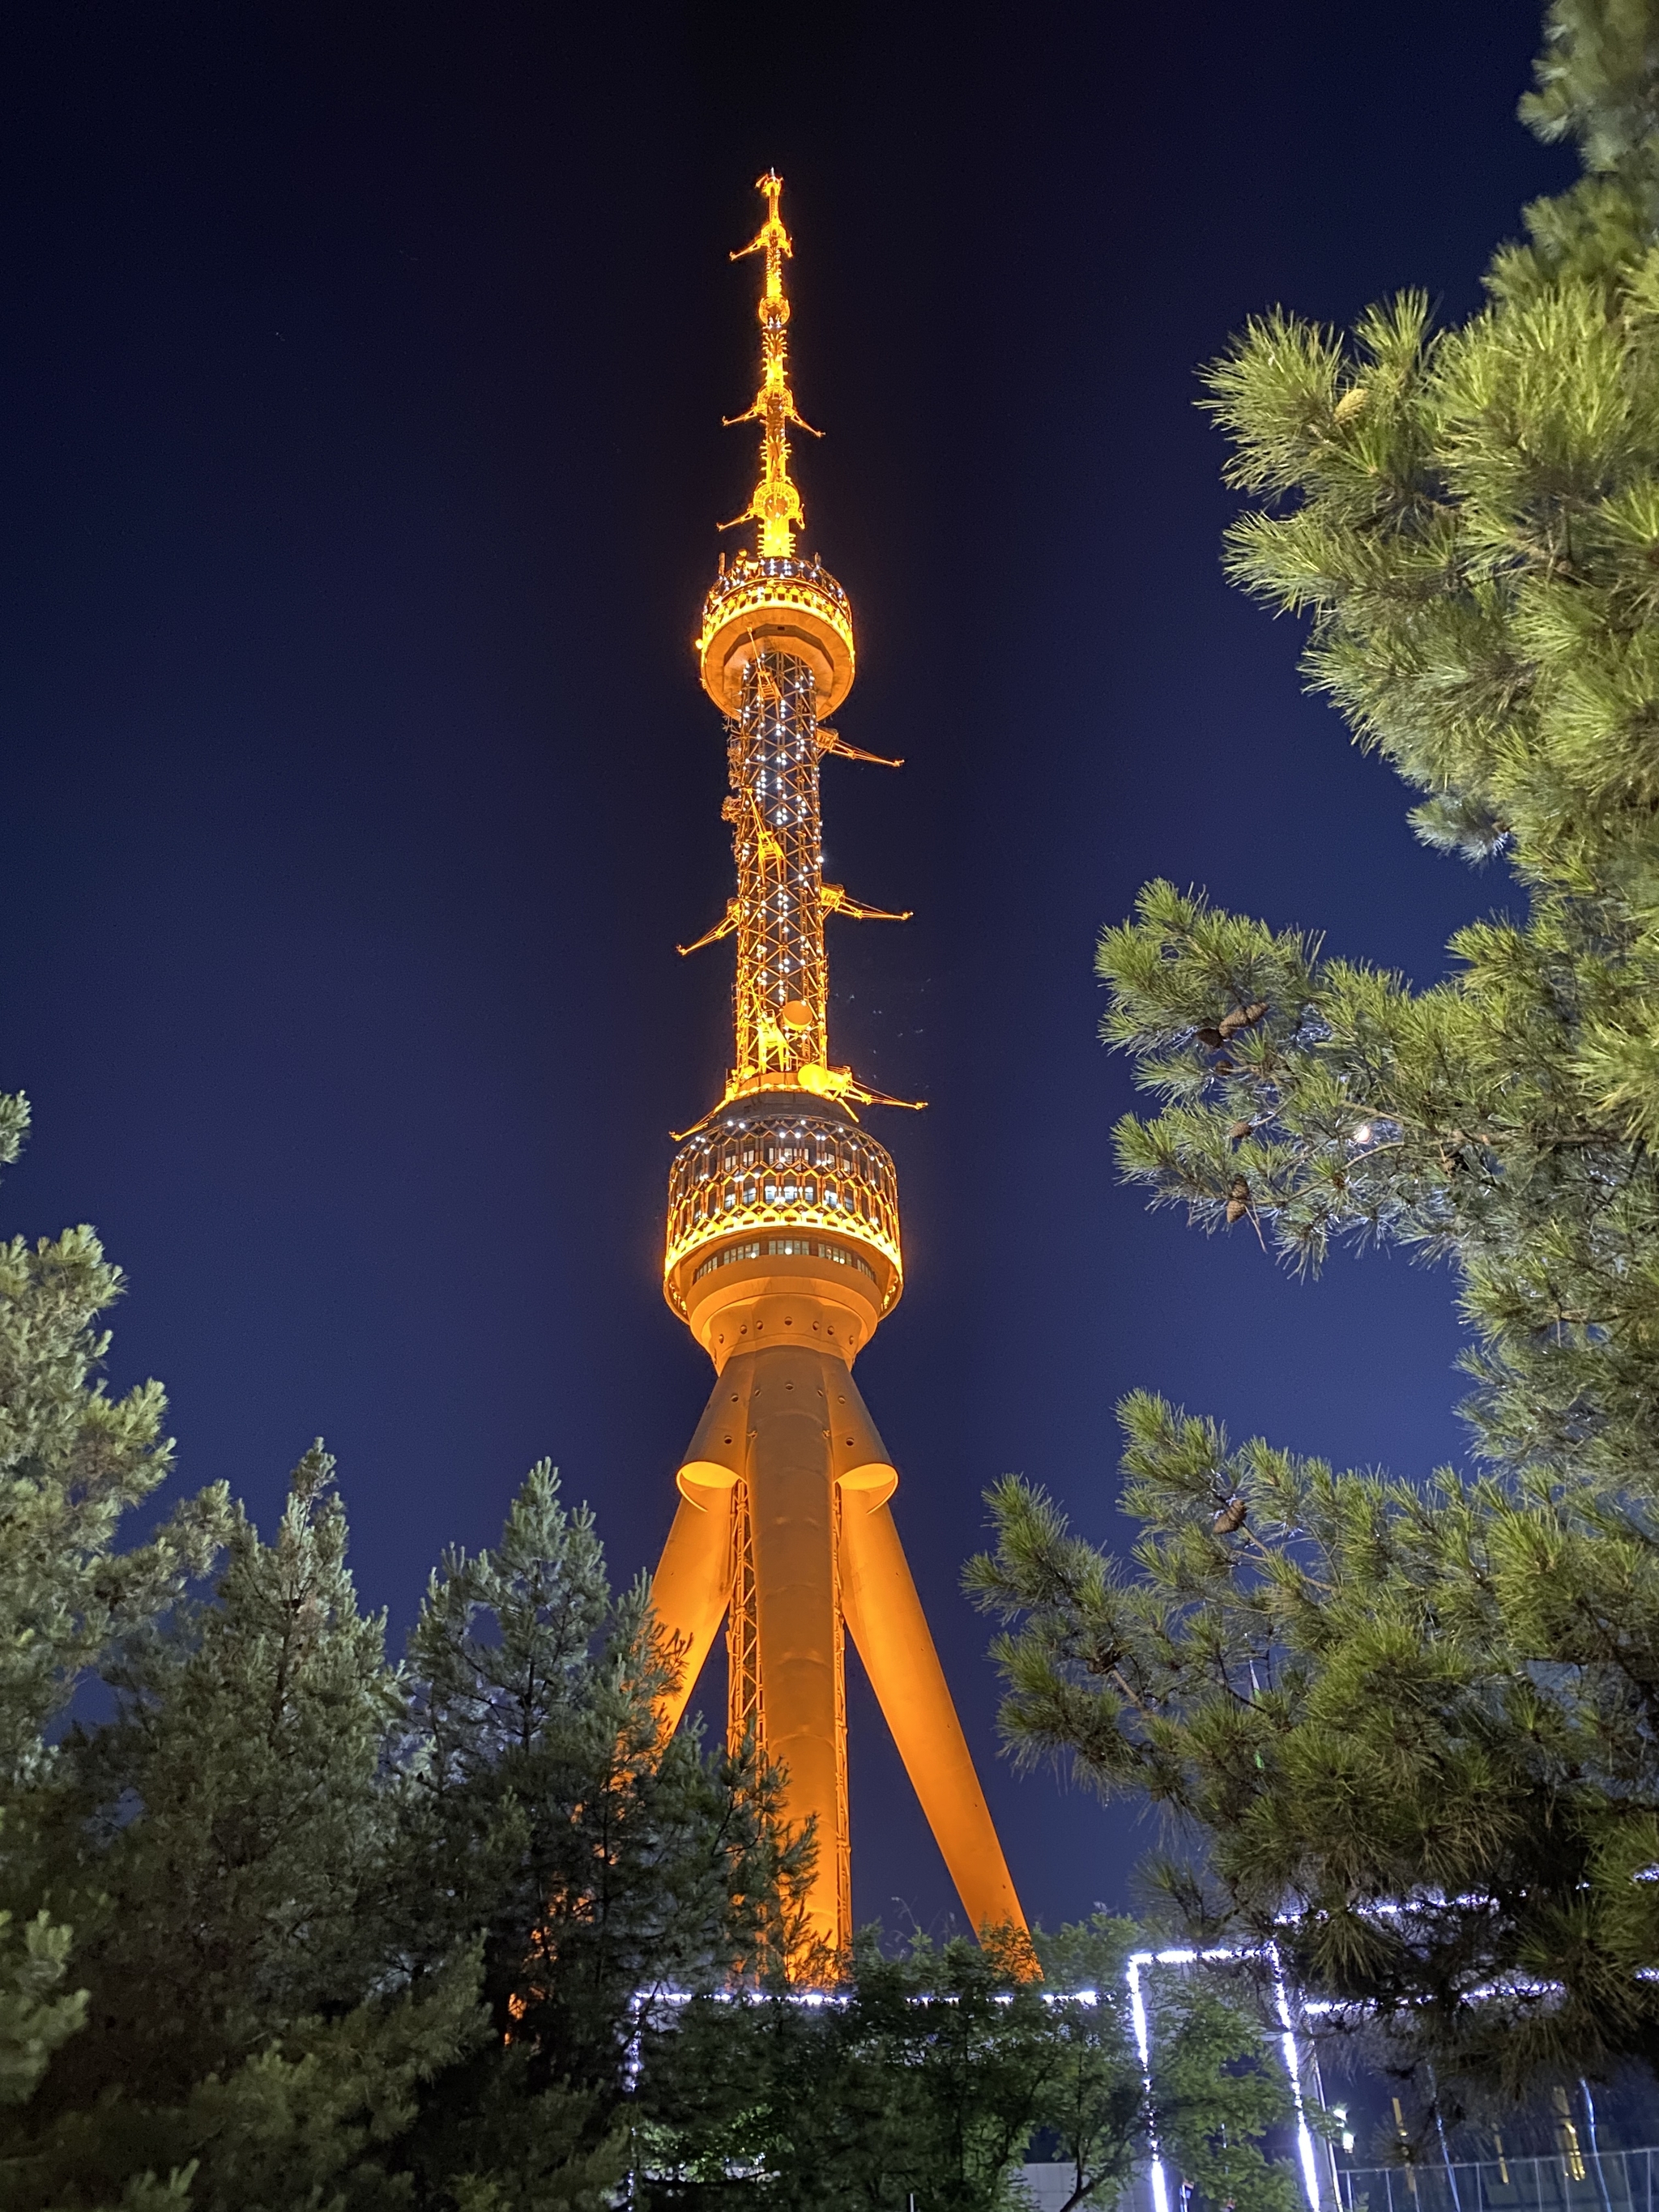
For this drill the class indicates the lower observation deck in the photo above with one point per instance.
(769, 1166)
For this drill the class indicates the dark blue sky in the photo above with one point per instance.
(360, 370)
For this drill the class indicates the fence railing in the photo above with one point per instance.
(1572, 2181)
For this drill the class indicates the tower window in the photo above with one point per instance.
(783, 1247)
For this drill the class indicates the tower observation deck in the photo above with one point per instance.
(783, 1249)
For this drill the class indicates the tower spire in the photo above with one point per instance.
(775, 505)
(777, 654)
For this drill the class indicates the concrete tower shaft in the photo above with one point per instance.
(783, 1249)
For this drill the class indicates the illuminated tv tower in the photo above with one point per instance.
(783, 1243)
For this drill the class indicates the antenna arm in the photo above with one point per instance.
(831, 741)
(836, 901)
(765, 236)
(841, 1084)
(758, 414)
(723, 927)
(866, 1097)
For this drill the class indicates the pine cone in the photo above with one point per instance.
(1231, 1518)
(1241, 1018)
(1238, 1199)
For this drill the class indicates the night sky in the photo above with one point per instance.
(360, 377)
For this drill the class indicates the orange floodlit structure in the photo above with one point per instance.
(783, 1247)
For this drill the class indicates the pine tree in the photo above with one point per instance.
(598, 1859)
(250, 1739)
(73, 1463)
(364, 1936)
(37, 2012)
(226, 1844)
(1354, 1693)
(330, 1932)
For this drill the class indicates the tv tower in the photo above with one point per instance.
(783, 1243)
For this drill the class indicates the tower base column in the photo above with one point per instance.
(792, 1507)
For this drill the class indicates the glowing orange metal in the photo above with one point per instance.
(776, 503)
(783, 1247)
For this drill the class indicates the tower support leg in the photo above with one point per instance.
(692, 1585)
(889, 1630)
(785, 1487)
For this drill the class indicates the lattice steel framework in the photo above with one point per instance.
(745, 1711)
(777, 842)
(774, 746)
(843, 1795)
(744, 1714)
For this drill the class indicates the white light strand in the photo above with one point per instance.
(1293, 2067)
(1144, 2044)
